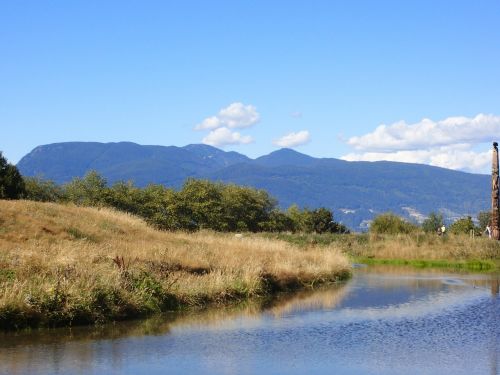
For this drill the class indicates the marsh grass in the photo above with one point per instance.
(417, 249)
(67, 265)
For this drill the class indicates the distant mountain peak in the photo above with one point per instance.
(286, 156)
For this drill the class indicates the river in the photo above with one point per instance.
(385, 320)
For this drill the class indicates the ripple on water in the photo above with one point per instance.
(375, 325)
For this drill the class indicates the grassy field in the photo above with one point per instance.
(417, 249)
(67, 265)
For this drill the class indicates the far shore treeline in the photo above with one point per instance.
(200, 204)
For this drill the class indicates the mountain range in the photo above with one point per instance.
(356, 191)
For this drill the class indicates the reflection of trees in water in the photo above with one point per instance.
(58, 348)
(29, 346)
(327, 298)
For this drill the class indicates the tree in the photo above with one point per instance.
(38, 189)
(297, 217)
(202, 200)
(124, 196)
(246, 209)
(278, 222)
(462, 226)
(11, 181)
(433, 222)
(391, 224)
(484, 219)
(91, 190)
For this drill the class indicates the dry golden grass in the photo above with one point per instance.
(62, 264)
(429, 247)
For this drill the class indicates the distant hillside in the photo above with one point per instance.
(356, 191)
(169, 165)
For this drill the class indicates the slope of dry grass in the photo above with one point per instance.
(62, 264)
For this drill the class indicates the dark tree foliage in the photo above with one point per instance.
(90, 190)
(38, 189)
(390, 223)
(433, 222)
(11, 181)
(484, 219)
(199, 204)
(462, 226)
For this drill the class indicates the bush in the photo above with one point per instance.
(200, 204)
(391, 224)
(462, 226)
(11, 181)
(484, 218)
(38, 189)
(90, 190)
(433, 222)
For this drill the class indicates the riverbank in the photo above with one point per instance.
(68, 265)
(419, 249)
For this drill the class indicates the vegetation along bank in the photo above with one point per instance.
(67, 265)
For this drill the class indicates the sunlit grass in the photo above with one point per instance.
(417, 249)
(62, 264)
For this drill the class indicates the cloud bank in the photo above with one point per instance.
(293, 139)
(449, 143)
(234, 116)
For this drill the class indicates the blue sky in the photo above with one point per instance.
(319, 76)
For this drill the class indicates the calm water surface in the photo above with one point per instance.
(383, 321)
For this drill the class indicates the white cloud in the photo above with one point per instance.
(428, 133)
(209, 123)
(460, 157)
(450, 143)
(293, 139)
(224, 136)
(236, 115)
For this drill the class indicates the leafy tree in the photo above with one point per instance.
(38, 189)
(433, 222)
(322, 220)
(389, 223)
(202, 201)
(298, 218)
(11, 181)
(319, 220)
(124, 196)
(484, 218)
(91, 190)
(278, 222)
(246, 209)
(341, 228)
(163, 208)
(462, 226)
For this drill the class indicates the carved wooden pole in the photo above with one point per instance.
(495, 232)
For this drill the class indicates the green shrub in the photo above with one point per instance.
(38, 189)
(462, 226)
(433, 222)
(11, 181)
(389, 223)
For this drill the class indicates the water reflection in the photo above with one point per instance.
(386, 320)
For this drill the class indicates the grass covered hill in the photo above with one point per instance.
(63, 265)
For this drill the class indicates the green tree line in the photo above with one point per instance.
(199, 204)
(389, 223)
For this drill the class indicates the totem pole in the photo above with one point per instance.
(495, 232)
